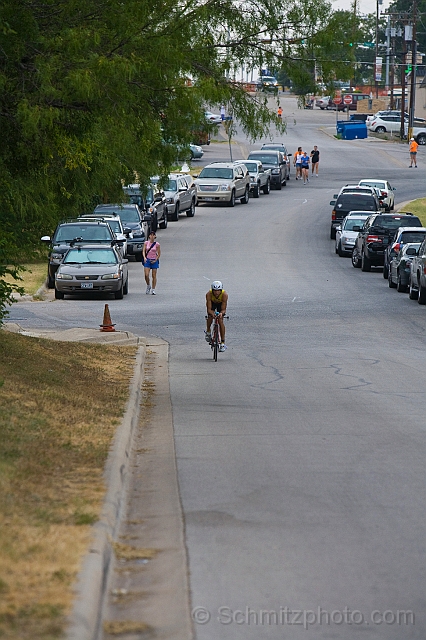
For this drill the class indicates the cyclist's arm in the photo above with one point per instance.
(210, 311)
(224, 304)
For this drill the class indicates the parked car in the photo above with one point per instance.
(196, 151)
(181, 195)
(347, 232)
(223, 182)
(213, 118)
(417, 282)
(385, 123)
(348, 188)
(419, 134)
(387, 112)
(353, 201)
(276, 162)
(400, 267)
(68, 232)
(323, 102)
(116, 225)
(375, 235)
(92, 268)
(401, 237)
(135, 227)
(260, 178)
(268, 84)
(279, 146)
(385, 189)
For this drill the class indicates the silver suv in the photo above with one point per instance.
(223, 182)
(181, 195)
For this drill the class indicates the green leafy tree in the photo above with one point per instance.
(96, 93)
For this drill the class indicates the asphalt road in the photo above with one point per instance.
(301, 452)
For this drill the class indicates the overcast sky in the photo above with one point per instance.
(364, 6)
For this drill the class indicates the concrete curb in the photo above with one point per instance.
(90, 590)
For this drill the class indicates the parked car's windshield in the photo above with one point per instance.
(84, 256)
(171, 185)
(68, 232)
(211, 172)
(350, 201)
(267, 159)
(389, 223)
(412, 236)
(251, 166)
(370, 183)
(353, 222)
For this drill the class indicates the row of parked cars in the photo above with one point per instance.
(90, 253)
(394, 241)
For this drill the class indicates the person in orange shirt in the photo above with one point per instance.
(280, 112)
(413, 152)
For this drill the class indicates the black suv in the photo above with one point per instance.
(347, 202)
(67, 233)
(134, 222)
(279, 146)
(276, 162)
(378, 231)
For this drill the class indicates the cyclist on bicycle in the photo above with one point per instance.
(216, 300)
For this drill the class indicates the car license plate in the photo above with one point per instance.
(87, 285)
(209, 199)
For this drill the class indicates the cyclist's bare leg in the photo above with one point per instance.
(209, 323)
(222, 329)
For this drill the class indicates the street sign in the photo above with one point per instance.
(347, 99)
(337, 100)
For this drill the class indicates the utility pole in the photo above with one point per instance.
(413, 74)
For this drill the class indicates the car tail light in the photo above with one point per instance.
(373, 123)
(383, 194)
(333, 214)
(396, 246)
(374, 239)
(424, 269)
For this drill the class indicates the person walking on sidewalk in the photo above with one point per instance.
(315, 160)
(280, 112)
(413, 152)
(305, 167)
(151, 261)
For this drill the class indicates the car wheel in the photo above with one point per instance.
(381, 130)
(175, 214)
(118, 295)
(164, 222)
(232, 200)
(421, 138)
(365, 263)
(256, 192)
(246, 197)
(59, 295)
(422, 293)
(332, 233)
(126, 287)
(339, 250)
(385, 271)
(267, 187)
(402, 288)
(191, 212)
(392, 207)
(413, 294)
(391, 283)
(50, 281)
(356, 262)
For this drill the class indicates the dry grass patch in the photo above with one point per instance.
(32, 278)
(418, 207)
(60, 404)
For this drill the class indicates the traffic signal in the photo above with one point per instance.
(408, 69)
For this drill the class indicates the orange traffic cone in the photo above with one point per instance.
(107, 324)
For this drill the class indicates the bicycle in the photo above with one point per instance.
(215, 334)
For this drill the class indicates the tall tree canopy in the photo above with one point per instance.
(92, 92)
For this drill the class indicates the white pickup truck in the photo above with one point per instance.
(260, 178)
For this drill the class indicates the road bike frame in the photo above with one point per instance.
(215, 333)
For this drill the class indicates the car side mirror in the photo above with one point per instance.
(45, 239)
(338, 228)
(158, 199)
(332, 202)
(147, 218)
(393, 188)
(335, 195)
(127, 231)
(124, 261)
(356, 228)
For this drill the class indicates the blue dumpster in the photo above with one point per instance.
(354, 131)
(340, 125)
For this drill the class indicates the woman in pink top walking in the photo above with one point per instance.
(151, 261)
